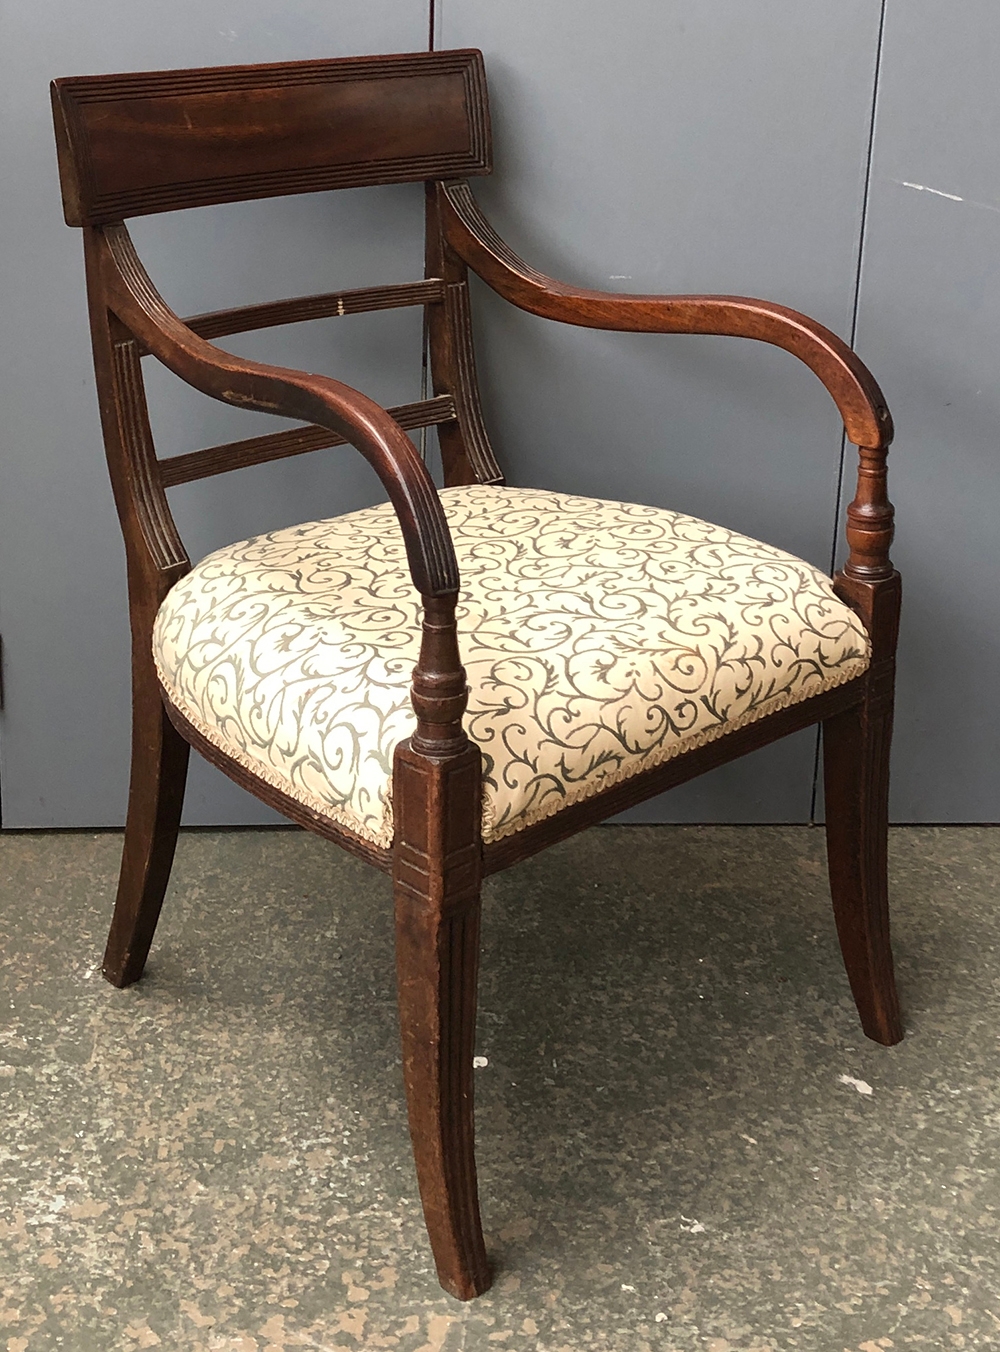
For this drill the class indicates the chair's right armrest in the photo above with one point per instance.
(130, 293)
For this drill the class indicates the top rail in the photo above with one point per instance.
(137, 143)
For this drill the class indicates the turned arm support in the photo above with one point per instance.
(848, 381)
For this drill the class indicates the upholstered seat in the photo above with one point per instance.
(600, 638)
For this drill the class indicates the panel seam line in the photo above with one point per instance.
(852, 341)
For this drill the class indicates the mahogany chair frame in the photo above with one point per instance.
(135, 144)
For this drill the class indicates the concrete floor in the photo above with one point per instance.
(670, 1154)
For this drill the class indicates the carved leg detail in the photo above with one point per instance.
(856, 771)
(437, 878)
(156, 796)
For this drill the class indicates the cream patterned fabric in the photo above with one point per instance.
(600, 638)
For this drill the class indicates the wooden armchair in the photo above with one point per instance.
(613, 650)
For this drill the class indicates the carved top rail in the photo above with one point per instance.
(153, 141)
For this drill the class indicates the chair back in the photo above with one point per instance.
(136, 144)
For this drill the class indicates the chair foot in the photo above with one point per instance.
(856, 777)
(156, 796)
(438, 964)
(437, 957)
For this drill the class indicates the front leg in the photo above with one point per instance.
(856, 761)
(856, 772)
(437, 873)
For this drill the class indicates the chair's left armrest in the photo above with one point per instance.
(851, 385)
(845, 376)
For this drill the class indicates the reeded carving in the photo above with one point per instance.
(156, 141)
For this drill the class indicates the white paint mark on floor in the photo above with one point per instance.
(862, 1086)
(691, 1226)
(480, 1061)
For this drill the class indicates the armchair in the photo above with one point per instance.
(611, 650)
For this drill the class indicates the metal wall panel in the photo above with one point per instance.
(65, 729)
(662, 146)
(656, 146)
(929, 324)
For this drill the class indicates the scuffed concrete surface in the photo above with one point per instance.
(670, 1157)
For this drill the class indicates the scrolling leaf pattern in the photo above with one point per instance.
(600, 639)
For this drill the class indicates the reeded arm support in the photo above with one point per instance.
(292, 394)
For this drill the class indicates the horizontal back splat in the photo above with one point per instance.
(181, 469)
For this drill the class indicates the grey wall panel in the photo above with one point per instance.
(929, 324)
(660, 146)
(652, 146)
(64, 734)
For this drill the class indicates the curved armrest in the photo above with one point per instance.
(292, 394)
(853, 388)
